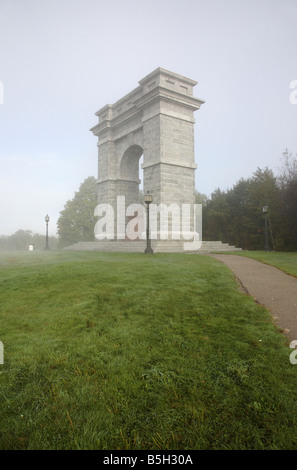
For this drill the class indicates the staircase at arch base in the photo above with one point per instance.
(158, 246)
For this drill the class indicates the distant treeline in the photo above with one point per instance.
(21, 240)
(236, 215)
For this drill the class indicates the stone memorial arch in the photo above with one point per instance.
(156, 121)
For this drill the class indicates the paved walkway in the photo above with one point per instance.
(270, 287)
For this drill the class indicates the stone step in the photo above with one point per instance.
(159, 246)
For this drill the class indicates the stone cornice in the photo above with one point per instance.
(166, 94)
(160, 85)
(160, 71)
(163, 161)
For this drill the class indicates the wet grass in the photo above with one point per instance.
(131, 351)
(286, 261)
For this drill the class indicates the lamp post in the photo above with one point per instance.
(265, 211)
(148, 199)
(46, 237)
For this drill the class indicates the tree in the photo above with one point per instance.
(76, 222)
(21, 240)
(264, 191)
(200, 198)
(216, 217)
(235, 216)
(287, 181)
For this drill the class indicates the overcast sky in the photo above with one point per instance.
(62, 60)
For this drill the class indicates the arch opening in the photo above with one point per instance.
(131, 174)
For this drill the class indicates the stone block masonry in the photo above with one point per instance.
(155, 120)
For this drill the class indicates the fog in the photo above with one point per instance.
(62, 60)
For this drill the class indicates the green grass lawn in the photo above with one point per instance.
(285, 261)
(131, 351)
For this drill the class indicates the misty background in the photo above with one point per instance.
(62, 60)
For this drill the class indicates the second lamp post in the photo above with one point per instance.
(46, 237)
(265, 211)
